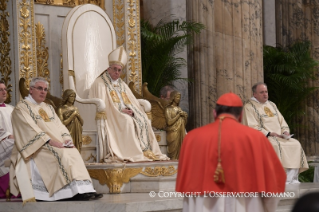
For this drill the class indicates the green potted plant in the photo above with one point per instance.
(160, 46)
(287, 72)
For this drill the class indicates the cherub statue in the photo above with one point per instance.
(176, 120)
(71, 118)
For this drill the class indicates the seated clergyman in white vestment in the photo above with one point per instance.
(263, 115)
(6, 139)
(128, 132)
(44, 163)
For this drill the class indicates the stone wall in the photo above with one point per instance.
(299, 20)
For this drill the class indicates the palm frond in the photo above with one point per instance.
(160, 46)
(288, 72)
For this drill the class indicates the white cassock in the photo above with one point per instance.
(6, 144)
(230, 204)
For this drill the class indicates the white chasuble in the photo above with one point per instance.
(266, 117)
(122, 137)
(33, 125)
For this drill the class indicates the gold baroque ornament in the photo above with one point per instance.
(133, 43)
(100, 115)
(91, 156)
(86, 140)
(159, 171)
(114, 178)
(42, 52)
(119, 22)
(158, 138)
(26, 36)
(5, 65)
(71, 3)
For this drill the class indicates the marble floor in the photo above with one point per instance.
(131, 202)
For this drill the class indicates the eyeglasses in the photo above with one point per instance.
(3, 89)
(40, 88)
(116, 69)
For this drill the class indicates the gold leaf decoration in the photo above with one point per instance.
(86, 140)
(114, 178)
(159, 171)
(42, 53)
(25, 38)
(91, 156)
(5, 64)
(133, 44)
(72, 3)
(158, 137)
(119, 23)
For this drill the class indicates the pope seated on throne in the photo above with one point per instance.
(126, 131)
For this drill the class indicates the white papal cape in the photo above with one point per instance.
(266, 117)
(123, 137)
(39, 170)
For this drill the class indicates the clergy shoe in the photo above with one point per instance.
(96, 195)
(82, 197)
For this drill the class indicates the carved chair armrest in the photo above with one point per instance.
(145, 104)
(100, 104)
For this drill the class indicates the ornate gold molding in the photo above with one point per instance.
(133, 45)
(42, 52)
(5, 64)
(159, 171)
(114, 178)
(91, 156)
(119, 21)
(158, 137)
(71, 3)
(86, 140)
(27, 49)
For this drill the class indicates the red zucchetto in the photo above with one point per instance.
(230, 99)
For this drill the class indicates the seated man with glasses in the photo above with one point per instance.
(44, 163)
(128, 134)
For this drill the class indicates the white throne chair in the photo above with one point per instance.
(88, 36)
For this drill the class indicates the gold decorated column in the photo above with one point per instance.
(126, 20)
(26, 40)
(299, 20)
(226, 56)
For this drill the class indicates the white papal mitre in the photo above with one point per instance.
(118, 57)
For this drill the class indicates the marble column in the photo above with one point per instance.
(299, 20)
(226, 56)
(269, 22)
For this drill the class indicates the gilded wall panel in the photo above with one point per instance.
(5, 47)
(27, 50)
(42, 52)
(119, 21)
(71, 3)
(133, 45)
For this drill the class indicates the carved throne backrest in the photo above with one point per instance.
(88, 36)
